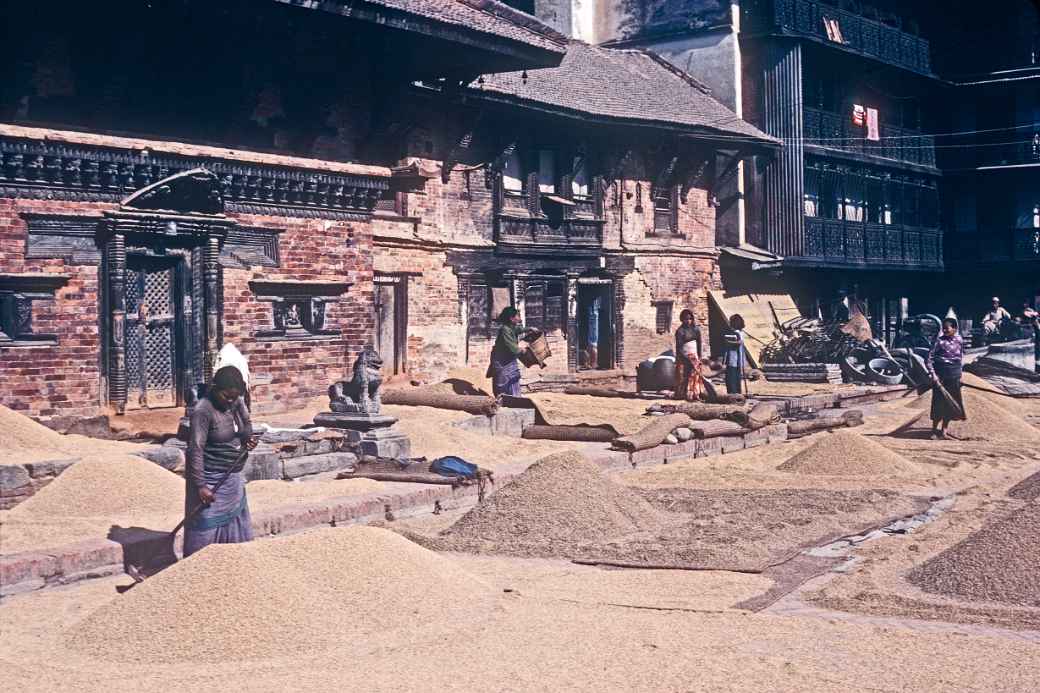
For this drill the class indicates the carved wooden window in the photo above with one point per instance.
(543, 305)
(513, 174)
(580, 179)
(18, 293)
(479, 311)
(485, 302)
(664, 316)
(666, 209)
(299, 310)
(546, 171)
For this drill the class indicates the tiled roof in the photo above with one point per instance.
(633, 86)
(483, 16)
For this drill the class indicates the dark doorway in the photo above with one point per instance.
(595, 324)
(391, 306)
(154, 330)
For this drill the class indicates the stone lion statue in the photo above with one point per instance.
(360, 394)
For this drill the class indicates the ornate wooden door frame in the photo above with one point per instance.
(179, 215)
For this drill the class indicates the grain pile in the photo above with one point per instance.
(998, 563)
(844, 453)
(90, 497)
(994, 396)
(558, 506)
(990, 421)
(1027, 489)
(331, 587)
(565, 507)
(25, 442)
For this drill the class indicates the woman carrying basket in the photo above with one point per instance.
(505, 369)
(944, 366)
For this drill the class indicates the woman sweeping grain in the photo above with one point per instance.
(219, 436)
(504, 369)
(944, 365)
(689, 383)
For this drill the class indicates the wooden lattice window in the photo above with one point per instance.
(664, 316)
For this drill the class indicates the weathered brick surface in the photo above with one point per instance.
(66, 379)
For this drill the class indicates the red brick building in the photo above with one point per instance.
(174, 176)
(562, 190)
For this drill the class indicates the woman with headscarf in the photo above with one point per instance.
(505, 369)
(689, 383)
(944, 365)
(220, 436)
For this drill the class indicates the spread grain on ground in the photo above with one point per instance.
(998, 563)
(988, 420)
(565, 507)
(273, 493)
(286, 596)
(845, 453)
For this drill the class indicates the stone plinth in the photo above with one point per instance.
(369, 434)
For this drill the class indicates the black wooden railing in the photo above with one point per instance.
(860, 34)
(859, 243)
(835, 131)
(541, 234)
(988, 246)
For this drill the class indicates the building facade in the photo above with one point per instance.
(583, 194)
(875, 193)
(164, 192)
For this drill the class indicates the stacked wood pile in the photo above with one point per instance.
(803, 372)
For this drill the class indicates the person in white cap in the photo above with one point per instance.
(229, 355)
(992, 320)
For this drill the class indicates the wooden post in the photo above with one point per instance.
(115, 265)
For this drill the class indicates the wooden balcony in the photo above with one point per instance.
(988, 246)
(540, 235)
(832, 242)
(826, 130)
(860, 34)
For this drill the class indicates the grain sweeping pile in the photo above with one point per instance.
(626, 416)
(998, 563)
(993, 395)
(988, 420)
(559, 504)
(88, 498)
(358, 587)
(844, 453)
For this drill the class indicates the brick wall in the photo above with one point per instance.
(56, 380)
(290, 372)
(66, 379)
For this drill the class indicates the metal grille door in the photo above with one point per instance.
(150, 333)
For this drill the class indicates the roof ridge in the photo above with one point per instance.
(499, 9)
(682, 74)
